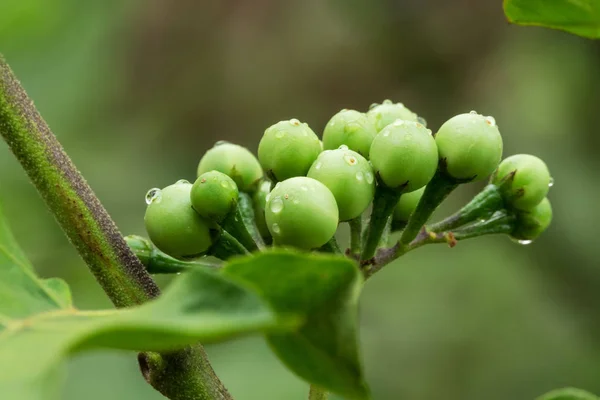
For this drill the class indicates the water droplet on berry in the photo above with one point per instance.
(491, 121)
(225, 184)
(343, 147)
(276, 205)
(294, 122)
(369, 177)
(183, 182)
(473, 112)
(524, 242)
(268, 197)
(551, 183)
(351, 160)
(153, 195)
(398, 122)
(387, 101)
(296, 201)
(360, 176)
(276, 229)
(221, 142)
(279, 134)
(304, 188)
(372, 106)
(385, 133)
(318, 165)
(422, 120)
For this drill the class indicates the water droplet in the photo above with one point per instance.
(398, 122)
(296, 201)
(276, 229)
(304, 188)
(473, 112)
(268, 197)
(490, 121)
(332, 123)
(525, 242)
(369, 177)
(385, 133)
(294, 122)
(183, 182)
(276, 205)
(360, 176)
(225, 184)
(343, 147)
(154, 194)
(551, 183)
(351, 160)
(221, 142)
(318, 165)
(372, 106)
(422, 120)
(387, 101)
(279, 134)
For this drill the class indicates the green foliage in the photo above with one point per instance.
(568, 394)
(581, 17)
(324, 350)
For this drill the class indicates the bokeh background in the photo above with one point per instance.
(137, 90)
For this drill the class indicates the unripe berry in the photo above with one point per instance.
(259, 202)
(288, 149)
(349, 177)
(350, 128)
(407, 204)
(530, 224)
(404, 155)
(301, 212)
(381, 115)
(235, 161)
(470, 145)
(529, 183)
(173, 225)
(214, 195)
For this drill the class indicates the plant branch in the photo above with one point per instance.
(87, 224)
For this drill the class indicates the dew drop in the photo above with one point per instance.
(387, 101)
(294, 122)
(360, 176)
(296, 201)
(318, 165)
(276, 229)
(153, 195)
(525, 242)
(369, 177)
(225, 184)
(343, 147)
(279, 134)
(351, 160)
(268, 197)
(385, 133)
(276, 205)
(304, 188)
(221, 142)
(182, 182)
(490, 121)
(398, 122)
(473, 112)
(373, 105)
(551, 183)
(422, 120)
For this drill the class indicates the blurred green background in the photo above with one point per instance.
(137, 90)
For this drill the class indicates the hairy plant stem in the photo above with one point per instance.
(86, 223)
(384, 203)
(356, 234)
(316, 393)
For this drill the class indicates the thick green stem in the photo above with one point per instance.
(227, 246)
(316, 393)
(436, 191)
(157, 262)
(85, 221)
(246, 208)
(356, 233)
(383, 206)
(235, 226)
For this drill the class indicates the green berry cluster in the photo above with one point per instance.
(298, 188)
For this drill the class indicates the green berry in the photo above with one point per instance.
(530, 224)
(349, 176)
(235, 161)
(381, 115)
(214, 195)
(470, 145)
(173, 225)
(259, 201)
(404, 156)
(350, 128)
(529, 184)
(288, 149)
(301, 212)
(407, 204)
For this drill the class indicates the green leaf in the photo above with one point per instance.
(580, 17)
(324, 351)
(568, 394)
(39, 327)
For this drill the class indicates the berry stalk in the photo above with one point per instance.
(383, 205)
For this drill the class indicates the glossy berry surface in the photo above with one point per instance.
(350, 128)
(288, 149)
(214, 195)
(407, 204)
(531, 224)
(173, 225)
(529, 183)
(349, 176)
(470, 145)
(235, 161)
(404, 156)
(301, 212)
(381, 115)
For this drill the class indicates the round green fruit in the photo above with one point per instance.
(235, 161)
(530, 224)
(349, 176)
(381, 115)
(301, 212)
(259, 202)
(470, 145)
(404, 156)
(350, 128)
(407, 205)
(214, 195)
(529, 183)
(288, 149)
(173, 225)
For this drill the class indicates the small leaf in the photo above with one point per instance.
(568, 394)
(324, 351)
(580, 17)
(39, 327)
